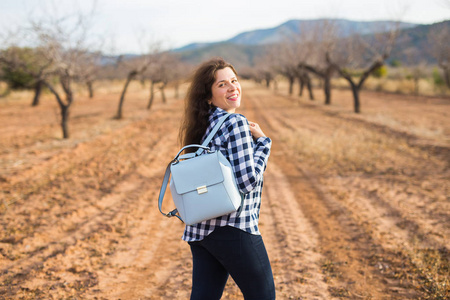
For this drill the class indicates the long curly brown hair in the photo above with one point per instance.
(197, 106)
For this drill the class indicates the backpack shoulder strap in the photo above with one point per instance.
(162, 191)
(212, 133)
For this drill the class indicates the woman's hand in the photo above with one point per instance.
(256, 130)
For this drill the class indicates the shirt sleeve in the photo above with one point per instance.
(248, 158)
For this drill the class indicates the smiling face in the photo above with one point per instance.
(226, 90)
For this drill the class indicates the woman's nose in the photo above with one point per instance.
(231, 86)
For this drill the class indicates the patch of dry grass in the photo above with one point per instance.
(401, 86)
(348, 148)
(433, 272)
(413, 126)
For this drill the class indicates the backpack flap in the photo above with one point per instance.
(196, 173)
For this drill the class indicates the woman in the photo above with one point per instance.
(231, 244)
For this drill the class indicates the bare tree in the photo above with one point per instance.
(90, 66)
(304, 79)
(180, 73)
(363, 55)
(324, 37)
(166, 69)
(439, 37)
(264, 70)
(65, 41)
(416, 66)
(61, 43)
(135, 67)
(291, 55)
(284, 60)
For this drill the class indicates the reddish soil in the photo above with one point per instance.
(354, 206)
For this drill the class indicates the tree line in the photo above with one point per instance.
(64, 53)
(322, 52)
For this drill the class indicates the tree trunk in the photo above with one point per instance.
(268, 79)
(64, 120)
(142, 82)
(130, 77)
(64, 108)
(291, 85)
(327, 89)
(90, 89)
(163, 95)
(356, 88)
(302, 86)
(309, 86)
(325, 75)
(356, 103)
(152, 94)
(37, 93)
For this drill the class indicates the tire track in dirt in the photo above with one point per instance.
(346, 247)
(381, 210)
(86, 161)
(291, 241)
(158, 262)
(388, 217)
(157, 267)
(95, 218)
(68, 212)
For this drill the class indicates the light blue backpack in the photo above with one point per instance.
(203, 185)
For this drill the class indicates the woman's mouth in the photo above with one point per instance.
(233, 97)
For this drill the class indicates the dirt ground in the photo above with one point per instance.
(354, 206)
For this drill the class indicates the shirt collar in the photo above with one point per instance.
(218, 112)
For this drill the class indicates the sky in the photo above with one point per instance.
(176, 23)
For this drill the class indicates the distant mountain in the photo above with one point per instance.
(193, 46)
(240, 55)
(242, 48)
(296, 27)
(416, 40)
(286, 30)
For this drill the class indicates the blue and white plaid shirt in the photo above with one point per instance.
(249, 160)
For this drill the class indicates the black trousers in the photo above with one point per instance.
(231, 251)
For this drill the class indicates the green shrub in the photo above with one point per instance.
(380, 72)
(17, 79)
(437, 77)
(395, 63)
(27, 62)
